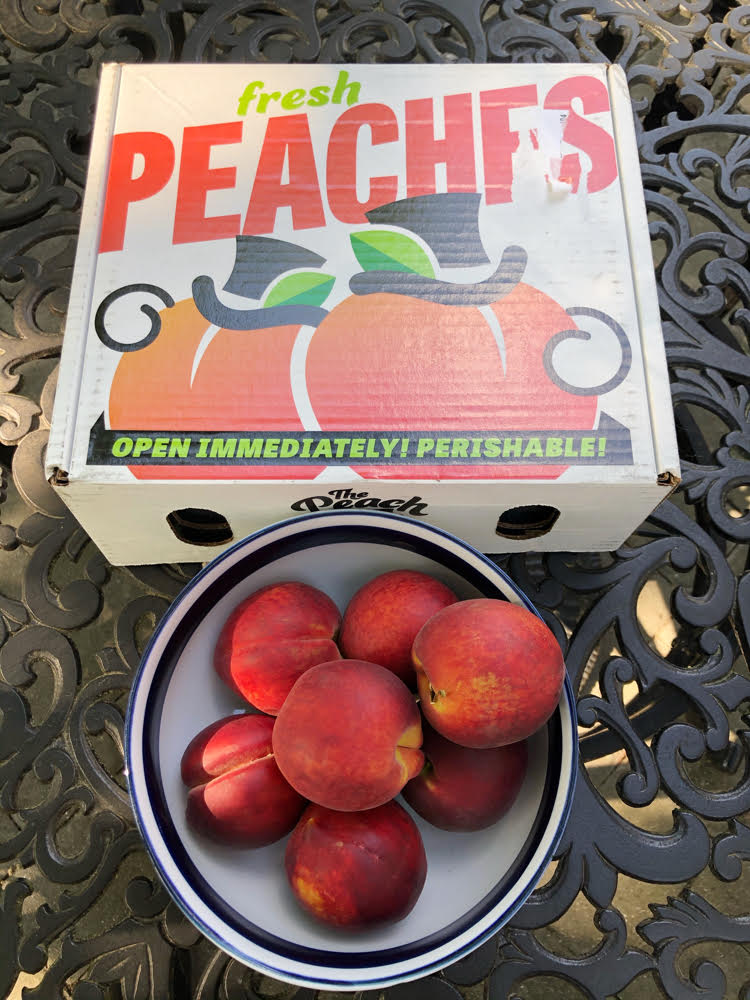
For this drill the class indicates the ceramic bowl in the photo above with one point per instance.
(240, 898)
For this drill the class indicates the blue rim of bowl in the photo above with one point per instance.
(399, 534)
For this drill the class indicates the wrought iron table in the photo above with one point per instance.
(648, 892)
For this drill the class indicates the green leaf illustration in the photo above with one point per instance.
(382, 250)
(308, 288)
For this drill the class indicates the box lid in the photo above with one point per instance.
(422, 272)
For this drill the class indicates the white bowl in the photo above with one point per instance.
(240, 898)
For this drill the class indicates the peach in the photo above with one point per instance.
(348, 735)
(237, 793)
(272, 637)
(460, 788)
(383, 617)
(488, 672)
(355, 870)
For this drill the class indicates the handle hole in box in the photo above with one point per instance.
(198, 526)
(530, 521)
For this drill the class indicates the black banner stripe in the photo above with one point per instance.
(608, 444)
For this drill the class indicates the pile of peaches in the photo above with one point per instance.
(411, 691)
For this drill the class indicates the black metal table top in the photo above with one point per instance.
(648, 893)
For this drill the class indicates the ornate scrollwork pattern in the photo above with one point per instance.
(663, 797)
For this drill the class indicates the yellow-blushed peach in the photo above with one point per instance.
(348, 735)
(272, 637)
(488, 672)
(237, 795)
(383, 617)
(355, 870)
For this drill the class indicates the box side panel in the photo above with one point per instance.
(141, 512)
(644, 279)
(79, 306)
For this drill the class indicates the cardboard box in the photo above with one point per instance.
(426, 289)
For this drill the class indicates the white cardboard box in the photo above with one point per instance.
(426, 289)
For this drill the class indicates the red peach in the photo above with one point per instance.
(384, 616)
(460, 788)
(488, 672)
(272, 637)
(348, 735)
(237, 793)
(354, 870)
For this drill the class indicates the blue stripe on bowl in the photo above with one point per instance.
(212, 588)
